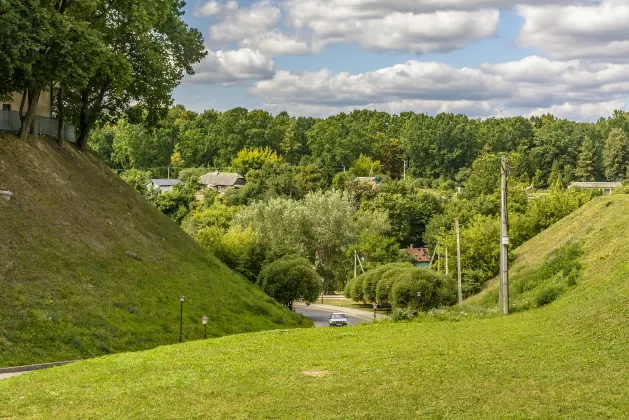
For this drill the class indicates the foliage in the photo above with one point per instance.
(398, 284)
(250, 159)
(137, 179)
(289, 279)
(366, 166)
(616, 155)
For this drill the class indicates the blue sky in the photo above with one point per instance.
(479, 57)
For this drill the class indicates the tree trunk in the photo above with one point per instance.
(31, 113)
(87, 117)
(60, 111)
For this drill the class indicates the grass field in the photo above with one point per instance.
(567, 359)
(68, 287)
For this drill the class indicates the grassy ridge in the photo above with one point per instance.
(70, 289)
(567, 359)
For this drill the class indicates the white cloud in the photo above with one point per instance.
(415, 33)
(228, 67)
(581, 112)
(278, 43)
(243, 23)
(571, 88)
(594, 31)
(208, 9)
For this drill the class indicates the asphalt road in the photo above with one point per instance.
(9, 375)
(321, 317)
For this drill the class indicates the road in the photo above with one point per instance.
(321, 313)
(9, 375)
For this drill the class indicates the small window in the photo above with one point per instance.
(6, 107)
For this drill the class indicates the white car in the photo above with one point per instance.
(338, 320)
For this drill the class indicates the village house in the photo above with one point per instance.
(371, 180)
(606, 187)
(222, 182)
(421, 256)
(163, 185)
(44, 124)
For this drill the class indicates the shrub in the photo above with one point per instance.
(403, 314)
(289, 279)
(549, 294)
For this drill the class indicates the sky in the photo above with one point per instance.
(482, 58)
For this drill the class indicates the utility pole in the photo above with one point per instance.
(447, 268)
(458, 262)
(355, 259)
(404, 169)
(504, 237)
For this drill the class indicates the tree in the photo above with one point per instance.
(616, 155)
(148, 48)
(366, 166)
(254, 159)
(585, 164)
(289, 279)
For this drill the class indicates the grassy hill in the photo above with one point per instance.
(70, 283)
(566, 359)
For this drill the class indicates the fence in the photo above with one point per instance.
(42, 126)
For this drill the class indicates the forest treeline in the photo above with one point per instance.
(303, 198)
(542, 149)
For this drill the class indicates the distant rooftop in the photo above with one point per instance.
(221, 179)
(367, 178)
(420, 254)
(165, 182)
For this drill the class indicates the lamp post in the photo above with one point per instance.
(181, 299)
(375, 306)
(419, 301)
(204, 321)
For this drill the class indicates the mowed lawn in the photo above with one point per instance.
(569, 359)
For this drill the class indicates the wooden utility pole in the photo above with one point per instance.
(504, 238)
(355, 259)
(404, 169)
(447, 268)
(458, 262)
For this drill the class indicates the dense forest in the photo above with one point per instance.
(302, 196)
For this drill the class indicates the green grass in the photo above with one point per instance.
(68, 289)
(566, 359)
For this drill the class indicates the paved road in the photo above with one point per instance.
(320, 316)
(9, 375)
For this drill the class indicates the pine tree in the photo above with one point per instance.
(616, 155)
(585, 162)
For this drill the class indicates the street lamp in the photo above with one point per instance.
(375, 306)
(204, 321)
(181, 299)
(419, 301)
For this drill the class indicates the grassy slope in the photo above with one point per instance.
(69, 290)
(567, 359)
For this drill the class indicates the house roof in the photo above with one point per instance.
(165, 182)
(368, 179)
(595, 185)
(220, 178)
(419, 254)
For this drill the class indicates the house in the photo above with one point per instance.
(606, 187)
(421, 256)
(164, 185)
(371, 180)
(222, 181)
(44, 124)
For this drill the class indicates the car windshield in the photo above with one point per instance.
(338, 316)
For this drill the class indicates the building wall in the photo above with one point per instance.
(44, 107)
